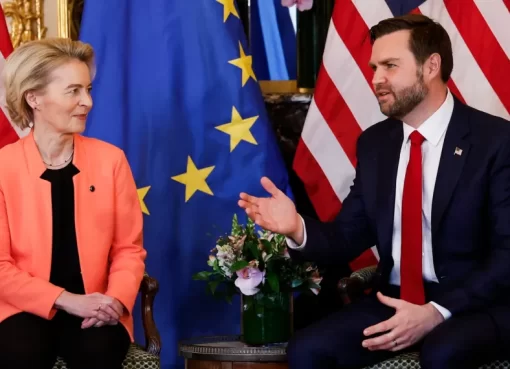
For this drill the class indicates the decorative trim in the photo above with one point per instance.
(283, 87)
(63, 19)
(27, 20)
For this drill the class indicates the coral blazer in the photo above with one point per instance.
(108, 220)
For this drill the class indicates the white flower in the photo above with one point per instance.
(248, 280)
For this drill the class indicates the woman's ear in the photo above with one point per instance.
(31, 99)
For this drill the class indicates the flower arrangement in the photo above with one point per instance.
(251, 263)
(301, 4)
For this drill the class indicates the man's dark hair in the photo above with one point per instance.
(427, 37)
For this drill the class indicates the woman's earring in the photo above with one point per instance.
(30, 124)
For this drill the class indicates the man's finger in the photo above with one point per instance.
(384, 339)
(247, 205)
(269, 186)
(388, 301)
(248, 198)
(382, 327)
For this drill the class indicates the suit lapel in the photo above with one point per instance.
(388, 158)
(453, 156)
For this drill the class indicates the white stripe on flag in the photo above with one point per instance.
(372, 11)
(328, 153)
(497, 17)
(350, 82)
(467, 75)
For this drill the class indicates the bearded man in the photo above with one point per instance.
(432, 192)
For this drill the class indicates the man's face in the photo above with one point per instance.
(398, 80)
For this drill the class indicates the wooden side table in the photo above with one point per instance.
(228, 352)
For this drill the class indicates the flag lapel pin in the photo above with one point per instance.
(458, 151)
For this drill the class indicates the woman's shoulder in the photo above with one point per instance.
(11, 151)
(97, 147)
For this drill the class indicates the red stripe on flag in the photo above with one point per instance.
(366, 259)
(7, 133)
(323, 197)
(483, 45)
(455, 91)
(319, 190)
(337, 114)
(507, 3)
(5, 39)
(354, 32)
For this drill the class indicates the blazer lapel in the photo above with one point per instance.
(42, 190)
(83, 208)
(388, 158)
(453, 156)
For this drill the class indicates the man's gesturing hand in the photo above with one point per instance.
(409, 325)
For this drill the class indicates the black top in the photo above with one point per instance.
(65, 262)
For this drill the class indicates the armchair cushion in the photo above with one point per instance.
(411, 360)
(136, 358)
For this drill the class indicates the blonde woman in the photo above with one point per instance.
(71, 254)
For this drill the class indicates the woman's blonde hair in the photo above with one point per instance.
(29, 67)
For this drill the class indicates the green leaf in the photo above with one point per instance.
(202, 276)
(254, 248)
(296, 283)
(267, 246)
(213, 285)
(313, 285)
(272, 278)
(238, 265)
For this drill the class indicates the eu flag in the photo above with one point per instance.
(175, 89)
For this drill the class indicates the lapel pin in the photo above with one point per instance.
(458, 151)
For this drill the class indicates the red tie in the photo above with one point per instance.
(411, 277)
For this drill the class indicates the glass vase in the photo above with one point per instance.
(266, 318)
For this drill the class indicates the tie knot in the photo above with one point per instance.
(416, 138)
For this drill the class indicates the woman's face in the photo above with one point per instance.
(65, 102)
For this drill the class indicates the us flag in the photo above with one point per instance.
(9, 133)
(344, 103)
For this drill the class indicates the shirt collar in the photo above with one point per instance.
(435, 126)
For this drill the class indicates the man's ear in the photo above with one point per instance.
(432, 67)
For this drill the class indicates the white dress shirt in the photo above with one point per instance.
(434, 131)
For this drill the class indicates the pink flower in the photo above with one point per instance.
(248, 280)
(301, 4)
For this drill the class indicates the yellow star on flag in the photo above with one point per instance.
(238, 129)
(141, 196)
(228, 8)
(245, 63)
(194, 179)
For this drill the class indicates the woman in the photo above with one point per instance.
(71, 255)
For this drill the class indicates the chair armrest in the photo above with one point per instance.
(353, 287)
(149, 288)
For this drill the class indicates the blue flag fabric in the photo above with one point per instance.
(176, 91)
(272, 40)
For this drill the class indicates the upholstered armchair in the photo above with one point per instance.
(353, 287)
(139, 357)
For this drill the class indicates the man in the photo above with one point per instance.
(432, 191)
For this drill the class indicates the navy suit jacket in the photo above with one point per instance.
(470, 212)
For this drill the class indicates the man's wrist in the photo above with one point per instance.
(438, 318)
(298, 235)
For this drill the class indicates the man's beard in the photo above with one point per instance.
(406, 99)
